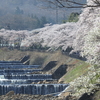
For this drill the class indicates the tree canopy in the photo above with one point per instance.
(91, 48)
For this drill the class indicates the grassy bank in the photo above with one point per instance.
(76, 69)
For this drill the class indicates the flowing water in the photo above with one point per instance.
(18, 77)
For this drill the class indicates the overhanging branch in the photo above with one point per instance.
(73, 3)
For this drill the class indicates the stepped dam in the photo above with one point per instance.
(16, 76)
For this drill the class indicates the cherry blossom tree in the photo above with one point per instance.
(91, 48)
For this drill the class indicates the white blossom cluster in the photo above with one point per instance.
(11, 35)
(55, 36)
(86, 83)
(91, 48)
(89, 19)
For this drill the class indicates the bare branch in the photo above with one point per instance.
(96, 2)
(73, 3)
(60, 3)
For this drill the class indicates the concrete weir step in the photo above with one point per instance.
(23, 81)
(35, 89)
(18, 71)
(7, 66)
(10, 62)
(33, 76)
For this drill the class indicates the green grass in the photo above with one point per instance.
(97, 95)
(94, 79)
(80, 68)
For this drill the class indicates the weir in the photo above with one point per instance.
(18, 71)
(35, 89)
(16, 76)
(8, 66)
(10, 62)
(33, 76)
(22, 81)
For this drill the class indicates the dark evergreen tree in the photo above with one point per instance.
(43, 21)
(18, 11)
(73, 17)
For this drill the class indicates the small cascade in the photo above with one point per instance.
(18, 77)
(35, 89)
(10, 62)
(1, 72)
(22, 81)
(33, 76)
(12, 66)
(20, 71)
